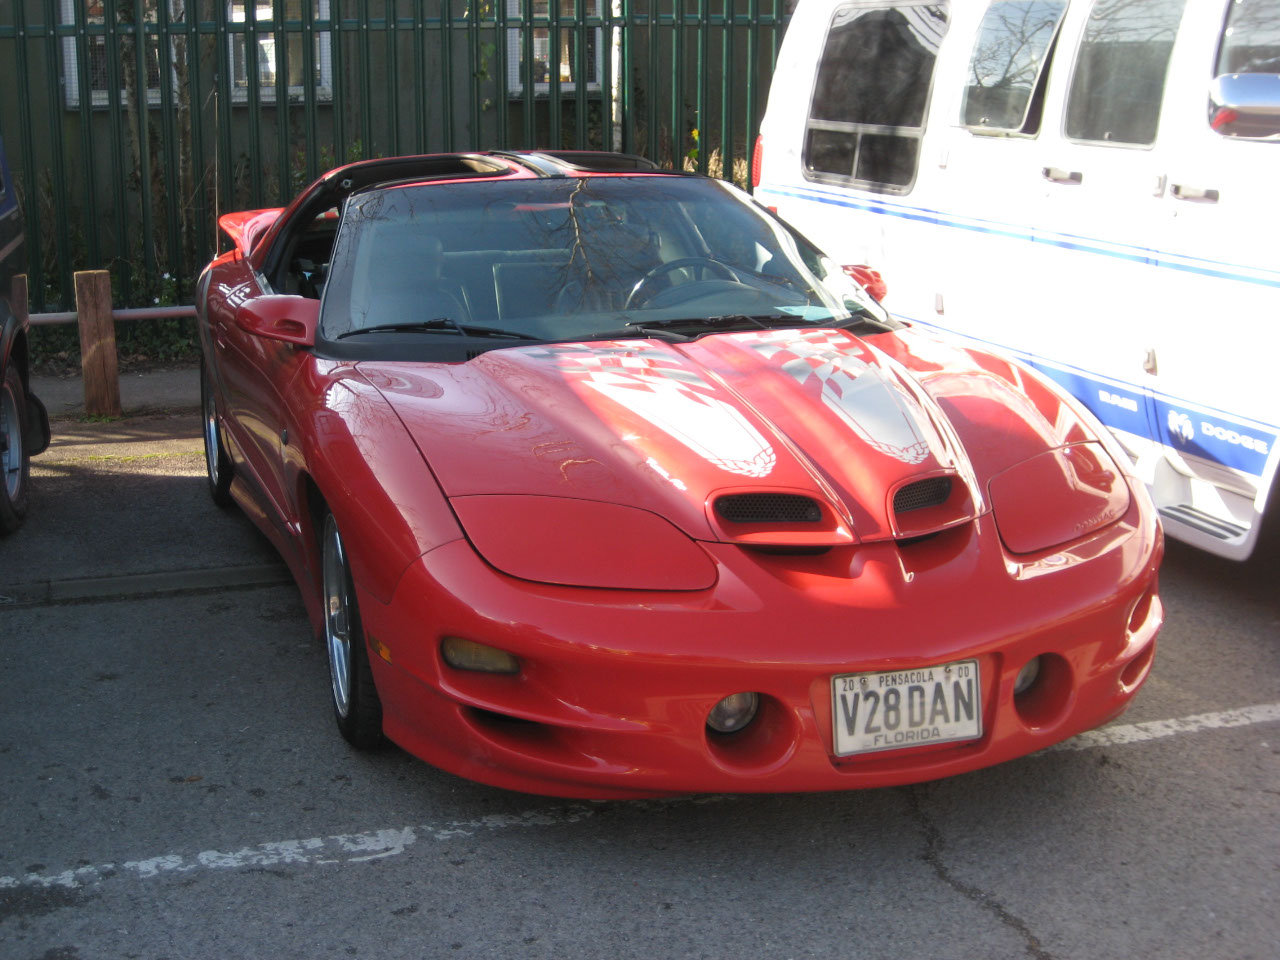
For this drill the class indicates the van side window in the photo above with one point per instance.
(871, 93)
(1251, 38)
(1008, 66)
(1120, 70)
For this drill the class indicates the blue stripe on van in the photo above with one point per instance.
(1162, 259)
(1176, 426)
(1193, 429)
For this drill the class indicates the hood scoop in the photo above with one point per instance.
(922, 494)
(768, 508)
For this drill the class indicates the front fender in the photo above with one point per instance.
(371, 475)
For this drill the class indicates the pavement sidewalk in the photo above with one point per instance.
(166, 391)
(121, 508)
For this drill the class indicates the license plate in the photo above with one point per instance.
(906, 708)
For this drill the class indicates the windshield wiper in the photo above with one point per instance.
(729, 321)
(668, 329)
(633, 330)
(678, 329)
(441, 325)
(773, 321)
(862, 322)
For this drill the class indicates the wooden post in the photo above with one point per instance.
(97, 344)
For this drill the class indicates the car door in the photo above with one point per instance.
(253, 375)
(1103, 180)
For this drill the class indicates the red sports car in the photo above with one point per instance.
(598, 480)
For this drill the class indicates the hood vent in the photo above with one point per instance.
(768, 508)
(922, 494)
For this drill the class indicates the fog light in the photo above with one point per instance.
(733, 712)
(469, 655)
(1027, 676)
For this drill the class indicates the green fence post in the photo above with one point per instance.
(391, 38)
(446, 69)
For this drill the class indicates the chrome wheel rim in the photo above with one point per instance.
(210, 433)
(337, 617)
(10, 443)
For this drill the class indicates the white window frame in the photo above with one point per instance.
(515, 46)
(71, 65)
(239, 93)
(267, 91)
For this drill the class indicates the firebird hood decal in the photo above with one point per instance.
(849, 385)
(668, 428)
(654, 386)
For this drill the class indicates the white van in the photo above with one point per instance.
(1090, 185)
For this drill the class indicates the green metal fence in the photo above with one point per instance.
(131, 124)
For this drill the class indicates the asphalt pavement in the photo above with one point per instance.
(118, 506)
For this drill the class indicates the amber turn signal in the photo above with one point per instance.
(468, 655)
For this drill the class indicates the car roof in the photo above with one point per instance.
(338, 184)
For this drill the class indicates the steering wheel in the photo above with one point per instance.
(705, 264)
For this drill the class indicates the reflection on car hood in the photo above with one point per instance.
(668, 427)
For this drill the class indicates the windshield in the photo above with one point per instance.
(564, 258)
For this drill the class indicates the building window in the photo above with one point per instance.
(99, 64)
(102, 61)
(269, 61)
(871, 94)
(553, 53)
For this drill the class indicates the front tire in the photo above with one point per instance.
(15, 458)
(356, 706)
(217, 463)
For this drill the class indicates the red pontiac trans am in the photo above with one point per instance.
(598, 480)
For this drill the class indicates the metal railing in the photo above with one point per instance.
(131, 124)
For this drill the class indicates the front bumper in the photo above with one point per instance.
(616, 685)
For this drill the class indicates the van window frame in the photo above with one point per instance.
(859, 129)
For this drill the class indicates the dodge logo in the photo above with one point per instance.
(1180, 426)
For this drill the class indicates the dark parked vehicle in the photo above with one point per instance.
(24, 423)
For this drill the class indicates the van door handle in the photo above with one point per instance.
(1058, 175)
(1201, 194)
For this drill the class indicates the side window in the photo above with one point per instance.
(305, 268)
(1118, 82)
(1251, 38)
(867, 114)
(1005, 89)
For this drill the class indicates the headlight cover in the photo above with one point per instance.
(583, 543)
(1058, 496)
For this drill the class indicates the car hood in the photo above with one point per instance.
(846, 423)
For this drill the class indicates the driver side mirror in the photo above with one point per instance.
(288, 318)
(1245, 104)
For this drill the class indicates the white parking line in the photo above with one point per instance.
(375, 844)
(1157, 729)
(342, 848)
